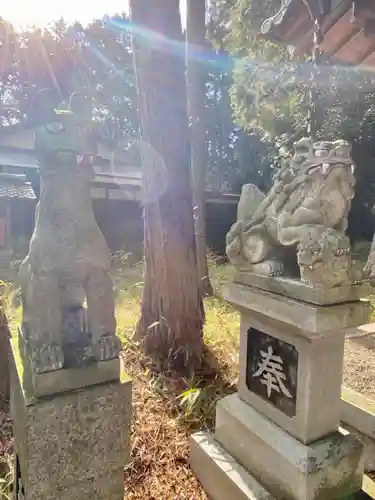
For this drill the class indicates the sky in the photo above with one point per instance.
(23, 13)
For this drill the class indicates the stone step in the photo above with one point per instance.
(284, 465)
(358, 417)
(221, 477)
(368, 488)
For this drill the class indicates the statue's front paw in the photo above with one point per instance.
(271, 268)
(47, 358)
(107, 347)
(234, 251)
(276, 268)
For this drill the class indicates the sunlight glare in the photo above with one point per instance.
(40, 13)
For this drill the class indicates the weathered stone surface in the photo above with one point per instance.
(368, 489)
(358, 418)
(73, 445)
(310, 319)
(313, 337)
(68, 259)
(304, 215)
(299, 290)
(250, 199)
(221, 477)
(50, 383)
(369, 445)
(324, 470)
(358, 411)
(316, 375)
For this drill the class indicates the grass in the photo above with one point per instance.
(166, 407)
(6, 457)
(6, 439)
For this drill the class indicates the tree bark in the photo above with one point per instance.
(172, 314)
(4, 360)
(196, 98)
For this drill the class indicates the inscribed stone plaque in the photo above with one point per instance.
(271, 370)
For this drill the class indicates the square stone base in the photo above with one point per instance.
(223, 478)
(330, 468)
(73, 445)
(67, 379)
(310, 318)
(304, 344)
(297, 289)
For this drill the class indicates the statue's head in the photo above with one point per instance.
(302, 150)
(64, 136)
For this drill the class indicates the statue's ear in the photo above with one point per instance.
(81, 106)
(42, 109)
(63, 106)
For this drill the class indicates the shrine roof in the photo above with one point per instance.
(15, 186)
(348, 28)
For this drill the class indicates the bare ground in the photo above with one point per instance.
(359, 368)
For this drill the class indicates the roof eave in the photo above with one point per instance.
(292, 24)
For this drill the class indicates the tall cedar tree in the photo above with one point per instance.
(196, 100)
(172, 313)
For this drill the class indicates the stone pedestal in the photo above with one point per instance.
(74, 444)
(281, 428)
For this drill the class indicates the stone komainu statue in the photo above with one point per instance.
(68, 259)
(300, 224)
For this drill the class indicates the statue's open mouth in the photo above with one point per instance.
(85, 160)
(82, 160)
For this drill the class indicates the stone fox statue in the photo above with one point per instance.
(68, 258)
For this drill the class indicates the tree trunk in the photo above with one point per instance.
(4, 360)
(172, 314)
(196, 98)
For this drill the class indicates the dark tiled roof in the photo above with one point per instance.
(15, 186)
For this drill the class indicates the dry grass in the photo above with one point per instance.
(167, 409)
(6, 457)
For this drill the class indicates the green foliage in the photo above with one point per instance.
(233, 156)
(270, 97)
(96, 60)
(271, 86)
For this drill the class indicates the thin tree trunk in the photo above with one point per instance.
(172, 312)
(196, 98)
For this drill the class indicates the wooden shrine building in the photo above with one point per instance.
(347, 26)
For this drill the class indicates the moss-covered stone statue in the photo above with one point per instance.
(68, 258)
(298, 228)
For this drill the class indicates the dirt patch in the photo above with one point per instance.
(359, 368)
